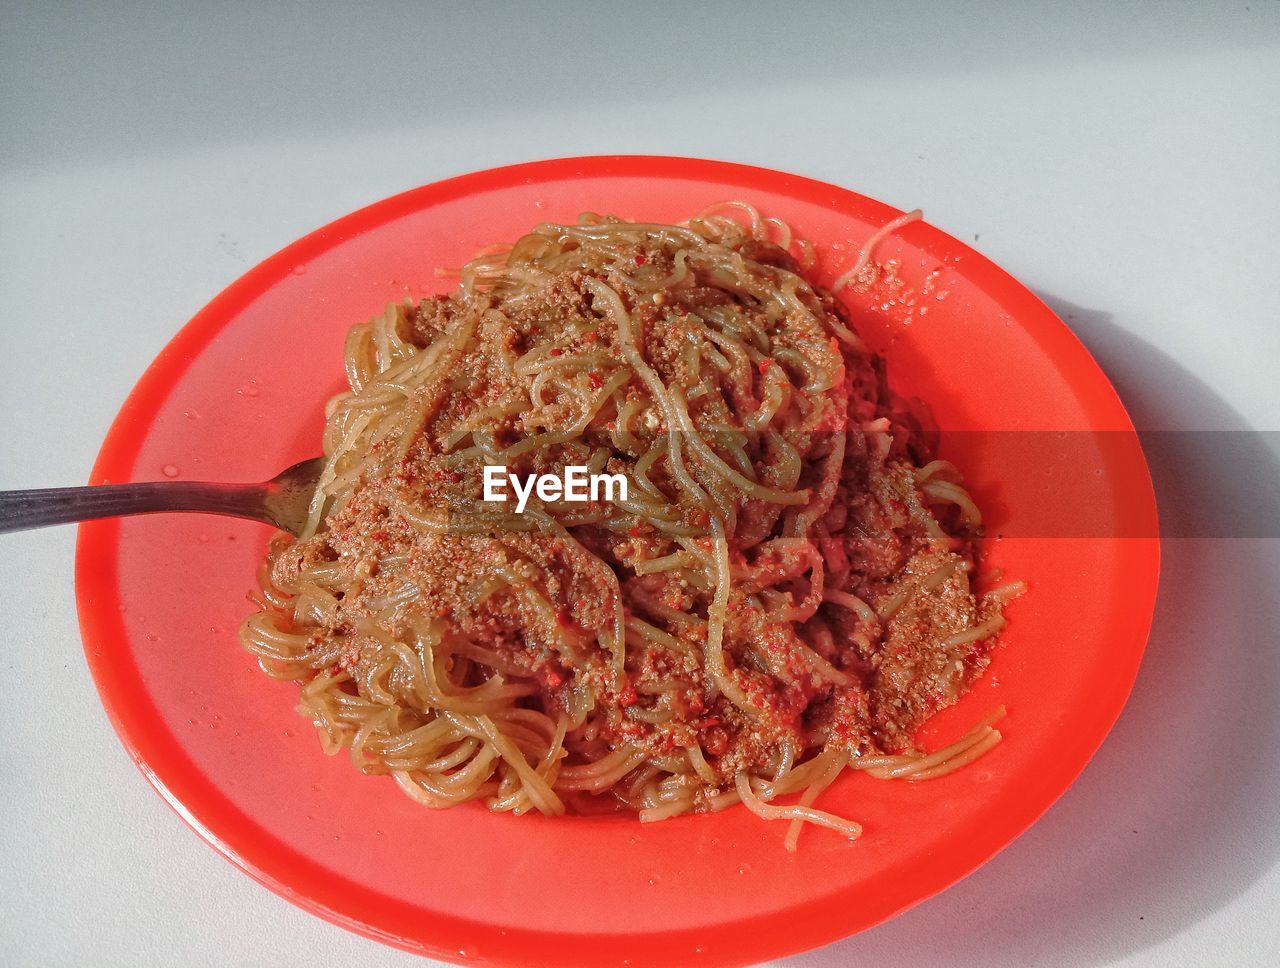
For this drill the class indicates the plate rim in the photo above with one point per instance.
(329, 895)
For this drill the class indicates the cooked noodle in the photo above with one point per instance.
(783, 594)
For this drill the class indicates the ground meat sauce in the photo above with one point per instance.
(874, 540)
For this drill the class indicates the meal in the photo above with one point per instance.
(631, 521)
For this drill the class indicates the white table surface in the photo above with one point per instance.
(1123, 164)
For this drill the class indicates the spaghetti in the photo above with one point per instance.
(783, 594)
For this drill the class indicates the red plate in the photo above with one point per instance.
(238, 394)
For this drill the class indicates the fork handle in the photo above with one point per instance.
(23, 510)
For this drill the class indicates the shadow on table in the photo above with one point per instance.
(1180, 810)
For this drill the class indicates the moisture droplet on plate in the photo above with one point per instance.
(299, 270)
(169, 470)
(250, 389)
(191, 415)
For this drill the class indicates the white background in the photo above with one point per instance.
(1123, 163)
